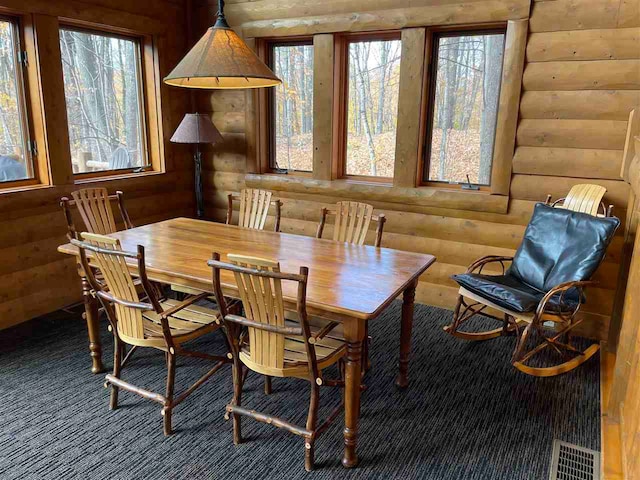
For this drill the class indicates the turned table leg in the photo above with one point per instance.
(93, 327)
(408, 299)
(352, 401)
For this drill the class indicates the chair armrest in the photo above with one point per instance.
(481, 262)
(320, 334)
(176, 308)
(560, 289)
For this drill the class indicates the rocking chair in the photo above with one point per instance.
(559, 254)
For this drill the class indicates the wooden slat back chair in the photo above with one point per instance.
(94, 206)
(560, 252)
(585, 198)
(352, 220)
(164, 325)
(254, 208)
(275, 346)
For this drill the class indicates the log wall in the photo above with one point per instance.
(34, 278)
(581, 79)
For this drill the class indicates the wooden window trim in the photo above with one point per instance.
(149, 92)
(36, 168)
(431, 64)
(266, 112)
(341, 100)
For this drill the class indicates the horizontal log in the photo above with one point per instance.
(580, 75)
(36, 278)
(390, 19)
(598, 134)
(222, 101)
(535, 187)
(426, 196)
(579, 104)
(568, 162)
(573, 15)
(604, 44)
(229, 122)
(629, 14)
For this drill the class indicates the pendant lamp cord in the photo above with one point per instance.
(221, 22)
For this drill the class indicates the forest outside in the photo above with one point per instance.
(104, 106)
(14, 161)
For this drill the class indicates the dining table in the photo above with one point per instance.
(347, 283)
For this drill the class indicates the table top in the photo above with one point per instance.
(344, 279)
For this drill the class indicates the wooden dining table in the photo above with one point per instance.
(347, 283)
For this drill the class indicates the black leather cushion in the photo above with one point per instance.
(558, 246)
(561, 246)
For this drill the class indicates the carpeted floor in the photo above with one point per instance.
(467, 414)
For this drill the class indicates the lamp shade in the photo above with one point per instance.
(221, 59)
(196, 128)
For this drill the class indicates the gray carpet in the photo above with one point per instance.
(467, 414)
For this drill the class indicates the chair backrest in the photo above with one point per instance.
(259, 283)
(352, 220)
(561, 246)
(585, 198)
(94, 205)
(110, 259)
(254, 208)
(119, 159)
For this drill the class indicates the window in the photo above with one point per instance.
(15, 157)
(373, 77)
(103, 90)
(291, 106)
(465, 87)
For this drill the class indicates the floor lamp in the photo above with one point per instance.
(196, 129)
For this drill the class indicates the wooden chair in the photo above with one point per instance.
(274, 346)
(163, 325)
(254, 208)
(352, 220)
(585, 198)
(94, 205)
(560, 252)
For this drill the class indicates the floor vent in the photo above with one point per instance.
(570, 462)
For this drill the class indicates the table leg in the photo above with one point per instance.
(352, 402)
(408, 299)
(93, 327)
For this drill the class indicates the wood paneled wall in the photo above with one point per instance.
(34, 278)
(581, 79)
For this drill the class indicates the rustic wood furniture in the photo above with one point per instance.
(254, 208)
(94, 206)
(274, 346)
(352, 220)
(164, 325)
(585, 198)
(560, 251)
(177, 252)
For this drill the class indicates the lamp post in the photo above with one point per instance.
(196, 129)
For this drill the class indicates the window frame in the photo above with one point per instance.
(429, 91)
(34, 169)
(269, 120)
(341, 100)
(146, 89)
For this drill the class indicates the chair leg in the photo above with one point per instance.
(237, 399)
(312, 420)
(267, 385)
(167, 410)
(117, 367)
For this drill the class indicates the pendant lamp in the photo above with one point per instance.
(221, 60)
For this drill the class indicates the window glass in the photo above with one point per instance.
(15, 159)
(465, 107)
(372, 109)
(103, 90)
(292, 109)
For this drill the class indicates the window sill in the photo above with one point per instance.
(23, 188)
(479, 201)
(83, 178)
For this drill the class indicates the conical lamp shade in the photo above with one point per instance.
(221, 59)
(196, 128)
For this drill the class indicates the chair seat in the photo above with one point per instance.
(329, 350)
(508, 292)
(186, 324)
